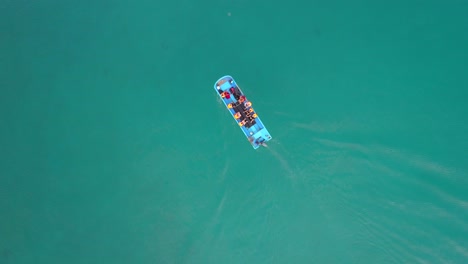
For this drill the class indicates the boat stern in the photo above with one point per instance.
(260, 138)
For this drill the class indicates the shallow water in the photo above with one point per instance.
(116, 149)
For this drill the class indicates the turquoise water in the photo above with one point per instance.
(116, 149)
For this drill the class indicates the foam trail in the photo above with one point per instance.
(283, 162)
(224, 172)
(219, 209)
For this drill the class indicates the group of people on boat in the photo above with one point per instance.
(235, 92)
(246, 113)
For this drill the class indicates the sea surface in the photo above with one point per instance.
(115, 148)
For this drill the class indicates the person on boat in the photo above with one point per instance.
(235, 92)
(227, 95)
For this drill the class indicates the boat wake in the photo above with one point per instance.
(282, 157)
(399, 184)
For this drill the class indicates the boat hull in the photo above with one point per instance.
(242, 111)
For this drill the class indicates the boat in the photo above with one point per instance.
(242, 111)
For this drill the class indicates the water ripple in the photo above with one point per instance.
(393, 206)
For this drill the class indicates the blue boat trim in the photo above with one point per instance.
(242, 111)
